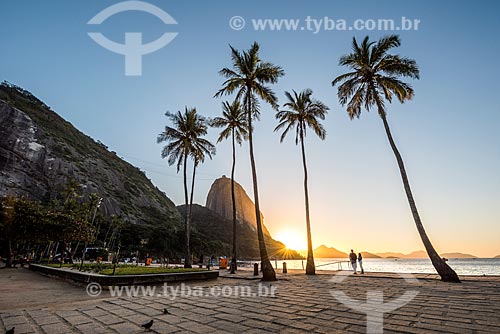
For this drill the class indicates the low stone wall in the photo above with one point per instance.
(83, 277)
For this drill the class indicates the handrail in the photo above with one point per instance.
(339, 264)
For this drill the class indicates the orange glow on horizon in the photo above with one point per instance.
(292, 239)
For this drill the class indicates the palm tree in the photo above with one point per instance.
(248, 78)
(375, 78)
(200, 149)
(303, 112)
(184, 139)
(234, 124)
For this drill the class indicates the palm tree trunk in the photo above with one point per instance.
(187, 251)
(190, 210)
(447, 274)
(233, 261)
(9, 253)
(76, 248)
(84, 252)
(268, 273)
(310, 267)
(62, 253)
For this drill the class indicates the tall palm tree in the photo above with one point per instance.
(234, 124)
(302, 112)
(375, 77)
(184, 139)
(248, 78)
(200, 149)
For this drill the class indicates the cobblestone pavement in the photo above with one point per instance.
(300, 304)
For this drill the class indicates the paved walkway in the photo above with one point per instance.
(294, 304)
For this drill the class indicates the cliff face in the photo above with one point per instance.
(219, 201)
(40, 153)
(22, 156)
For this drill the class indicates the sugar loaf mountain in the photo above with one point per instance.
(41, 153)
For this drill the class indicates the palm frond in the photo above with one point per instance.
(184, 137)
(248, 76)
(301, 111)
(374, 76)
(383, 45)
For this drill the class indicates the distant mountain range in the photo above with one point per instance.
(423, 254)
(458, 256)
(331, 252)
(420, 254)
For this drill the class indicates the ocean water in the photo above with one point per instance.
(476, 267)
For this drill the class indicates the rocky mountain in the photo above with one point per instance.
(368, 255)
(331, 252)
(391, 255)
(420, 254)
(456, 255)
(212, 235)
(219, 201)
(40, 153)
(423, 255)
(328, 252)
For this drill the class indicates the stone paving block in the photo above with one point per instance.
(15, 313)
(150, 312)
(109, 319)
(303, 326)
(94, 312)
(205, 311)
(356, 329)
(14, 320)
(292, 331)
(67, 313)
(260, 317)
(256, 331)
(167, 329)
(122, 312)
(252, 323)
(195, 327)
(92, 328)
(126, 328)
(230, 327)
(40, 321)
(170, 319)
(22, 329)
(234, 318)
(58, 328)
(78, 319)
(138, 319)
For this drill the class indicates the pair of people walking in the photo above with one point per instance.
(353, 258)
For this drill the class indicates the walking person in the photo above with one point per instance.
(353, 258)
(360, 261)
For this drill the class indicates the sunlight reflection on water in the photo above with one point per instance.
(461, 266)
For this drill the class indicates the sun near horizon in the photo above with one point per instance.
(292, 239)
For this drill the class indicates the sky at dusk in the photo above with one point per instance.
(448, 134)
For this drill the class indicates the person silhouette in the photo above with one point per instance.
(360, 261)
(353, 258)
